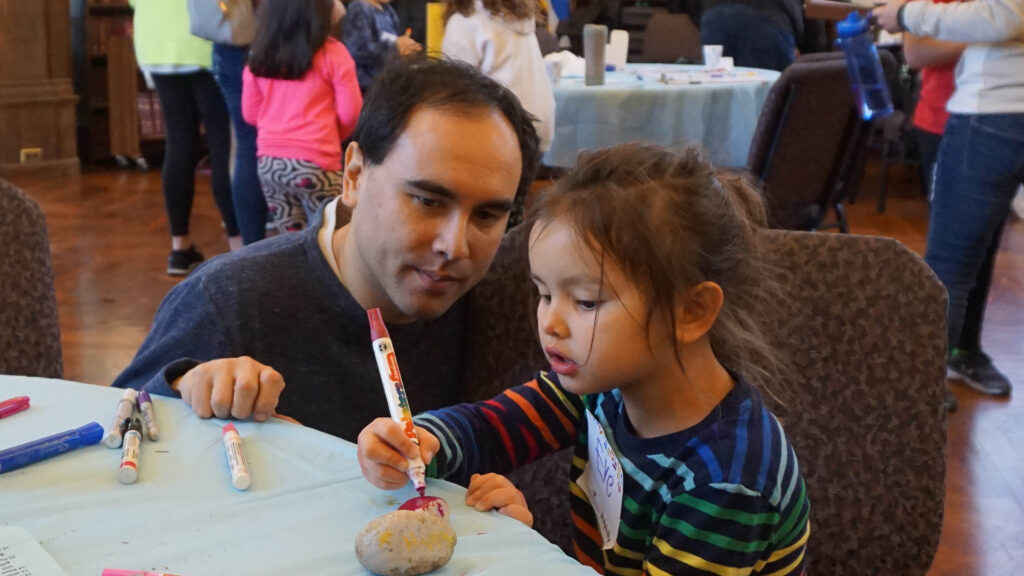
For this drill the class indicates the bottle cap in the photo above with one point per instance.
(853, 25)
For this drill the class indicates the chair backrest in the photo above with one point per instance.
(669, 37)
(29, 333)
(801, 141)
(865, 329)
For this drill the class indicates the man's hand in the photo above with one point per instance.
(406, 45)
(494, 491)
(887, 16)
(384, 452)
(231, 388)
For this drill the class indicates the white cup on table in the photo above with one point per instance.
(712, 56)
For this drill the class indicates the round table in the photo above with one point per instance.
(637, 105)
(306, 503)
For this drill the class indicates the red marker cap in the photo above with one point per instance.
(377, 328)
(13, 406)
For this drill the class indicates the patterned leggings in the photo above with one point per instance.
(295, 189)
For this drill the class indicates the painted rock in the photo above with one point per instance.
(405, 543)
(431, 504)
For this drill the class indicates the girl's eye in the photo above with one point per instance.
(545, 298)
(587, 305)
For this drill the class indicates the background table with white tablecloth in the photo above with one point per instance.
(307, 501)
(637, 105)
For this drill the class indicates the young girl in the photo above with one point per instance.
(648, 273)
(371, 33)
(498, 38)
(301, 93)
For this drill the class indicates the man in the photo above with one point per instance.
(439, 157)
(980, 162)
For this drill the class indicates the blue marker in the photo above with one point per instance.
(48, 447)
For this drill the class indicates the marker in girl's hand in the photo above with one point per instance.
(398, 403)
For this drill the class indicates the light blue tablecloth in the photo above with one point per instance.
(307, 501)
(720, 116)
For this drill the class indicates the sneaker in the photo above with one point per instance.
(951, 403)
(181, 262)
(976, 370)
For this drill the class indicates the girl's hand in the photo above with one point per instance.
(494, 491)
(406, 45)
(384, 452)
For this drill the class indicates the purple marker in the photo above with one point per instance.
(146, 408)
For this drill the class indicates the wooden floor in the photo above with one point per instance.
(109, 242)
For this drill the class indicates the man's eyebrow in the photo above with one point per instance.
(439, 190)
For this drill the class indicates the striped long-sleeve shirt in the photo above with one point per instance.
(723, 497)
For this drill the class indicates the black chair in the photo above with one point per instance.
(801, 149)
(671, 38)
(29, 333)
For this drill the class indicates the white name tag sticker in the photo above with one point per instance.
(601, 481)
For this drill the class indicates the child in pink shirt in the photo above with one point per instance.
(301, 93)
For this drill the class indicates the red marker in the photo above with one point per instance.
(398, 403)
(13, 406)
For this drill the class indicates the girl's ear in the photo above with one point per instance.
(353, 171)
(697, 310)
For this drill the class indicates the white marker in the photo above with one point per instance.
(146, 409)
(394, 389)
(129, 471)
(236, 457)
(125, 407)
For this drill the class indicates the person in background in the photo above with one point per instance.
(179, 64)
(301, 93)
(498, 38)
(936, 60)
(650, 288)
(250, 207)
(980, 162)
(371, 34)
(755, 33)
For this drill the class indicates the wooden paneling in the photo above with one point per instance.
(37, 103)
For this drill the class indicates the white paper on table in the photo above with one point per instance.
(618, 49)
(21, 555)
(702, 77)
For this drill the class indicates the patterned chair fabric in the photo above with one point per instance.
(29, 333)
(865, 331)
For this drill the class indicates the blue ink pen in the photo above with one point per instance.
(48, 447)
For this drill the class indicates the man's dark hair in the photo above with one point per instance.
(437, 83)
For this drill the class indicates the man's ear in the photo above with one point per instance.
(353, 171)
(697, 311)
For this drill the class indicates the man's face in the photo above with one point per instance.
(427, 221)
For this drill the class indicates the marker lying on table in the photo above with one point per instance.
(129, 471)
(48, 447)
(146, 409)
(117, 572)
(125, 407)
(236, 457)
(13, 406)
(398, 403)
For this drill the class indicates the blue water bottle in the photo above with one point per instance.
(867, 78)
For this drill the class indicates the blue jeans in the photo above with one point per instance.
(980, 165)
(250, 207)
(749, 35)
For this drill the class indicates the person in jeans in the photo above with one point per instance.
(980, 163)
(179, 64)
(250, 207)
(754, 33)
